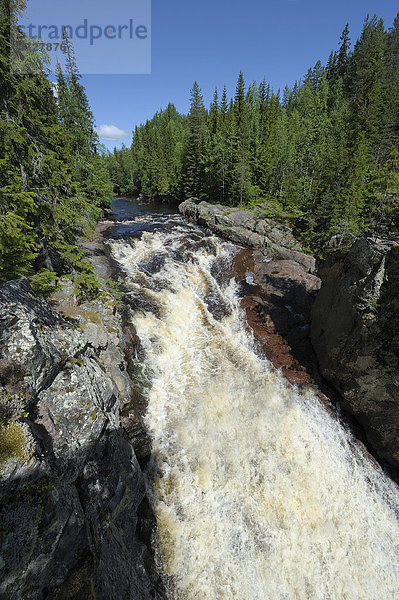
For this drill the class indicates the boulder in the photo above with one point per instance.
(355, 333)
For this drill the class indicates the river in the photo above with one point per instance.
(259, 492)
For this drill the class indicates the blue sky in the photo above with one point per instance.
(210, 41)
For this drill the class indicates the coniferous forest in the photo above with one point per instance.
(53, 183)
(323, 154)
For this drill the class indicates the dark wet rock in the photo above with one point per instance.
(69, 506)
(355, 332)
(98, 252)
(107, 212)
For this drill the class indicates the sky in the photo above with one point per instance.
(207, 41)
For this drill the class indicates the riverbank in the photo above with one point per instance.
(279, 288)
(75, 518)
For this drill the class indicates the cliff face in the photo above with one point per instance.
(71, 487)
(355, 332)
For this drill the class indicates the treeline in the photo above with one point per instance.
(53, 183)
(324, 153)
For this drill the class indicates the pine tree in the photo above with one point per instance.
(41, 210)
(78, 124)
(389, 134)
(242, 141)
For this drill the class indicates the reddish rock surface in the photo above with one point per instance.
(276, 348)
(277, 306)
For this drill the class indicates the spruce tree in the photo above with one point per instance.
(342, 57)
(195, 175)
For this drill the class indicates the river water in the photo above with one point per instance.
(259, 493)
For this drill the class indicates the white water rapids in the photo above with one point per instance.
(258, 492)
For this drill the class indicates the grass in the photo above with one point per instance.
(12, 443)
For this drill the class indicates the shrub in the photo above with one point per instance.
(44, 283)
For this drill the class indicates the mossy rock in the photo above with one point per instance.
(12, 443)
(79, 585)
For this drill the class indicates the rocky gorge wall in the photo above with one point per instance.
(355, 332)
(75, 522)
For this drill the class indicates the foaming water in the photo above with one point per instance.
(258, 492)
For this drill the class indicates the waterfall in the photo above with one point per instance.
(259, 493)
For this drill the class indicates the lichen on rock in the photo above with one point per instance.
(71, 486)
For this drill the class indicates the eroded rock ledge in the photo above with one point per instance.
(245, 228)
(70, 497)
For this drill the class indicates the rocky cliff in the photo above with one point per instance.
(73, 508)
(354, 319)
(355, 332)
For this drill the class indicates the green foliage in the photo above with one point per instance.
(324, 156)
(154, 165)
(44, 282)
(374, 305)
(113, 290)
(53, 183)
(87, 286)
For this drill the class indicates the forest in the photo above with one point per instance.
(53, 182)
(323, 155)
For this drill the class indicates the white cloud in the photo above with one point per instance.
(112, 133)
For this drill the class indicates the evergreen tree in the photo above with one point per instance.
(324, 156)
(42, 210)
(342, 57)
(78, 124)
(195, 175)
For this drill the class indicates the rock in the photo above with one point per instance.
(279, 234)
(282, 274)
(107, 213)
(355, 333)
(194, 200)
(103, 264)
(277, 295)
(241, 235)
(246, 228)
(70, 503)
